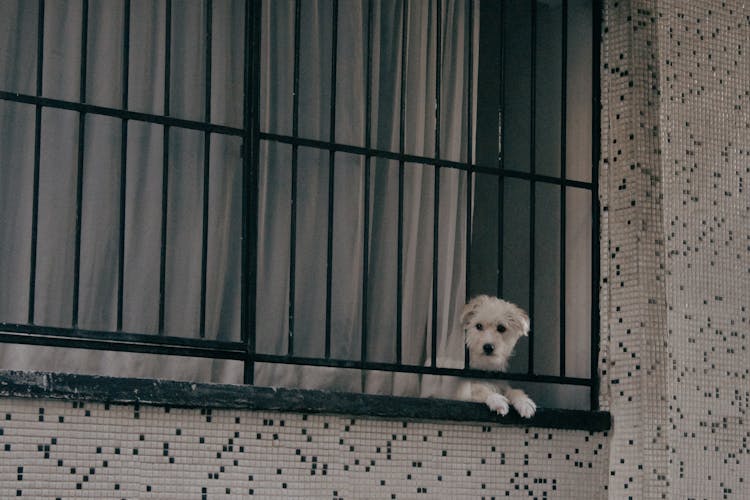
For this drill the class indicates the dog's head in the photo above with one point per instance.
(492, 327)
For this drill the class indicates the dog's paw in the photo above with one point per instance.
(524, 406)
(498, 403)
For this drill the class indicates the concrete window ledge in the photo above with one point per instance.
(115, 390)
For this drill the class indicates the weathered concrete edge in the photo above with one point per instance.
(115, 390)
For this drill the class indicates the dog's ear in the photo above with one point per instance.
(524, 321)
(470, 309)
(526, 324)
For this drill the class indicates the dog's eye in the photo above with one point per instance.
(501, 328)
(480, 326)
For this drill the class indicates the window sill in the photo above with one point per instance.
(194, 395)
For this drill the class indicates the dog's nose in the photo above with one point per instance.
(488, 348)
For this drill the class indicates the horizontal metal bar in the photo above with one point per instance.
(120, 113)
(358, 150)
(177, 346)
(424, 160)
(517, 174)
(418, 369)
(112, 341)
(192, 352)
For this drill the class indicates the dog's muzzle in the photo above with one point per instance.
(488, 348)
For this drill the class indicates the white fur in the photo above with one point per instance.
(498, 403)
(492, 327)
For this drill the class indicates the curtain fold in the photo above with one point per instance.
(140, 178)
(357, 227)
(349, 184)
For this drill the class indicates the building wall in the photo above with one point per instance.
(674, 353)
(705, 141)
(62, 449)
(676, 253)
(633, 306)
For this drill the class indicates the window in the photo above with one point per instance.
(297, 192)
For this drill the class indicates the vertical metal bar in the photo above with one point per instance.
(563, 174)
(250, 146)
(470, 158)
(123, 162)
(532, 187)
(436, 208)
(37, 155)
(165, 165)
(331, 184)
(368, 160)
(595, 152)
(400, 223)
(79, 173)
(469, 143)
(206, 165)
(295, 147)
(500, 61)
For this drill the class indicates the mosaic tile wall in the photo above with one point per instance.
(55, 449)
(674, 354)
(676, 253)
(706, 149)
(634, 301)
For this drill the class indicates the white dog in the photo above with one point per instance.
(492, 327)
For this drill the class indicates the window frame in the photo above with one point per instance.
(252, 135)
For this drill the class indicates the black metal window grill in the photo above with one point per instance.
(528, 126)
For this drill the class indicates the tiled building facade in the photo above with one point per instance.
(675, 254)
